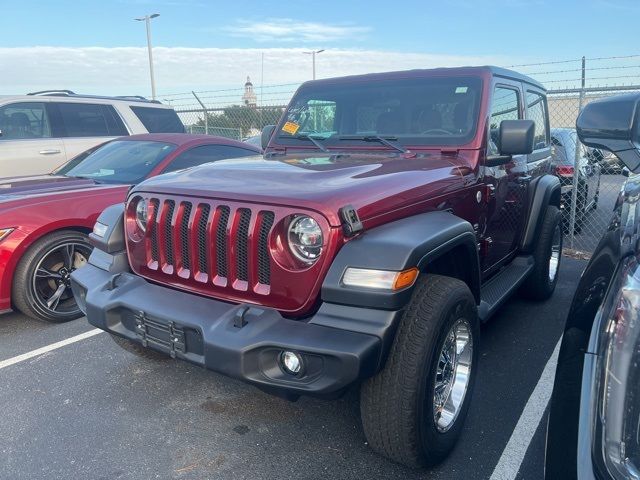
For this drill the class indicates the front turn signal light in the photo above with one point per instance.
(379, 279)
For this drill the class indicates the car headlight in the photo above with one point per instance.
(4, 233)
(619, 387)
(141, 214)
(305, 238)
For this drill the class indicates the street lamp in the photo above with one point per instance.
(313, 56)
(147, 20)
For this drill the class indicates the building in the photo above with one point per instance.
(249, 97)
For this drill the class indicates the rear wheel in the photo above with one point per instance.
(42, 281)
(541, 283)
(414, 409)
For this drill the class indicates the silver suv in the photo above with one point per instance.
(42, 130)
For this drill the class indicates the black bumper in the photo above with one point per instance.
(241, 341)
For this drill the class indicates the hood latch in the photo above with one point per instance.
(351, 223)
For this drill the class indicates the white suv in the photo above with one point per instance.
(42, 130)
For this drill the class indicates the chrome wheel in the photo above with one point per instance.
(453, 374)
(556, 251)
(51, 283)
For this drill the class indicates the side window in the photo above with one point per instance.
(24, 120)
(206, 153)
(85, 119)
(159, 120)
(537, 111)
(505, 106)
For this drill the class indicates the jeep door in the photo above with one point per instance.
(85, 125)
(27, 144)
(506, 184)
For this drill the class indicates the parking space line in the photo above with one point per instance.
(513, 454)
(48, 348)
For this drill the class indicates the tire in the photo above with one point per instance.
(397, 406)
(41, 284)
(138, 349)
(542, 281)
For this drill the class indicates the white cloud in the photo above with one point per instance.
(289, 30)
(121, 71)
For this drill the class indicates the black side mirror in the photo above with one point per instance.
(613, 124)
(515, 137)
(267, 131)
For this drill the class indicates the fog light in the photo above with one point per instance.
(100, 229)
(291, 362)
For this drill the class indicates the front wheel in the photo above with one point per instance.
(42, 281)
(413, 410)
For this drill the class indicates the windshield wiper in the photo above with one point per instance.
(388, 141)
(314, 140)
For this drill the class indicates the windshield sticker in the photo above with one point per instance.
(290, 127)
(461, 89)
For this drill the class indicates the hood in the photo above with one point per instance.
(39, 184)
(372, 183)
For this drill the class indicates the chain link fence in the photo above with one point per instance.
(590, 179)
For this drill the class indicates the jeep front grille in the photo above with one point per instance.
(210, 243)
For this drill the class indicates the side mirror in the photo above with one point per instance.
(515, 137)
(613, 124)
(267, 131)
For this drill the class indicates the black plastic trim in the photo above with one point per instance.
(113, 240)
(410, 242)
(545, 191)
(339, 344)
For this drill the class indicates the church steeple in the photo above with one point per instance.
(249, 97)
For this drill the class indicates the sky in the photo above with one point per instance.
(97, 47)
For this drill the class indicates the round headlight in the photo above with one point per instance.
(141, 214)
(305, 238)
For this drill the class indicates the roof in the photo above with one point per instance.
(180, 139)
(432, 72)
(84, 99)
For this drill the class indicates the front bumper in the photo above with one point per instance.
(241, 341)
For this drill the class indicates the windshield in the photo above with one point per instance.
(425, 111)
(123, 161)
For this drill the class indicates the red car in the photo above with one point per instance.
(44, 220)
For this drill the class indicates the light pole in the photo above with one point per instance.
(313, 56)
(147, 20)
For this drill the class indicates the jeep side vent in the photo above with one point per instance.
(184, 235)
(170, 206)
(241, 244)
(221, 241)
(155, 256)
(264, 259)
(203, 251)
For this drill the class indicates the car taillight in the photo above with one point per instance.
(564, 170)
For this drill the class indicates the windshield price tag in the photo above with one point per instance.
(290, 127)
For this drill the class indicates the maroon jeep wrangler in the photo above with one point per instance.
(390, 215)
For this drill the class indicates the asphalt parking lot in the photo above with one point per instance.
(91, 410)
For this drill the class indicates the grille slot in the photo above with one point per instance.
(221, 241)
(241, 244)
(264, 262)
(155, 256)
(184, 235)
(203, 251)
(168, 237)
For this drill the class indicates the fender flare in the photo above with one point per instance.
(410, 242)
(545, 191)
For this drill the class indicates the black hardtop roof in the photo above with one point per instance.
(417, 73)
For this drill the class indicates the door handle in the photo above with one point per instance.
(51, 151)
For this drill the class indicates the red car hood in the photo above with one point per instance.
(373, 184)
(42, 184)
